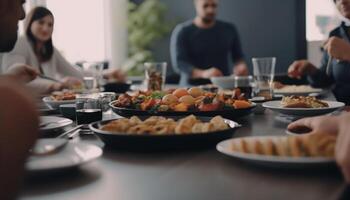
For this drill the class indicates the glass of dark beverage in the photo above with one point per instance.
(88, 108)
(244, 83)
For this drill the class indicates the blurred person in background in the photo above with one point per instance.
(337, 54)
(204, 47)
(36, 49)
(18, 116)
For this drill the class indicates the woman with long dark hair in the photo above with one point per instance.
(36, 49)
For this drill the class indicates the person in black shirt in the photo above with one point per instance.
(205, 47)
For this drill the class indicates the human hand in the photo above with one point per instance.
(23, 72)
(300, 68)
(211, 72)
(241, 69)
(342, 148)
(323, 124)
(338, 48)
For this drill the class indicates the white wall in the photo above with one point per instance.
(314, 53)
(116, 16)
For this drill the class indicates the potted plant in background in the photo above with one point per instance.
(146, 25)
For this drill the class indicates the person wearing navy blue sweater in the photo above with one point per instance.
(337, 54)
(206, 47)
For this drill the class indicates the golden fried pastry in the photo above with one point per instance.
(153, 120)
(134, 120)
(219, 123)
(281, 146)
(197, 128)
(315, 145)
(302, 102)
(268, 147)
(163, 126)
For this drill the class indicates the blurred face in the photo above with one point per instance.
(206, 10)
(344, 7)
(11, 11)
(42, 28)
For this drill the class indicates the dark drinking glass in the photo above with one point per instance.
(88, 108)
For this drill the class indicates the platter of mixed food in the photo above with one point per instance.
(182, 102)
(59, 98)
(282, 151)
(303, 106)
(156, 132)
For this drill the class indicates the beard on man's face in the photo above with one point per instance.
(208, 19)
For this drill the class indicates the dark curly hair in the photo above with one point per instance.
(36, 14)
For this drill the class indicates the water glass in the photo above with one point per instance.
(95, 69)
(88, 108)
(105, 99)
(264, 71)
(90, 83)
(155, 74)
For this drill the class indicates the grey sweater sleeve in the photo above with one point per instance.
(178, 51)
(320, 78)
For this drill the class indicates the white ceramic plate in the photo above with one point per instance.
(274, 161)
(71, 155)
(310, 92)
(299, 90)
(56, 104)
(277, 107)
(52, 122)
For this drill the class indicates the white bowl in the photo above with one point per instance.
(56, 104)
(224, 82)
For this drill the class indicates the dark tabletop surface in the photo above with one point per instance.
(198, 174)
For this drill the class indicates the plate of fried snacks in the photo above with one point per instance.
(156, 132)
(303, 106)
(182, 102)
(282, 151)
(59, 98)
(298, 90)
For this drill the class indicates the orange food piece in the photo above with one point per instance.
(148, 104)
(180, 92)
(181, 107)
(240, 104)
(209, 107)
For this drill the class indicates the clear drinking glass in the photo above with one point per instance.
(95, 71)
(88, 108)
(264, 71)
(155, 74)
(105, 99)
(89, 83)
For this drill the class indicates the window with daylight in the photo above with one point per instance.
(320, 19)
(79, 31)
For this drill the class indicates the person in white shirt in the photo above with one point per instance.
(36, 49)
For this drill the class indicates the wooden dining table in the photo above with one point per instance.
(203, 174)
